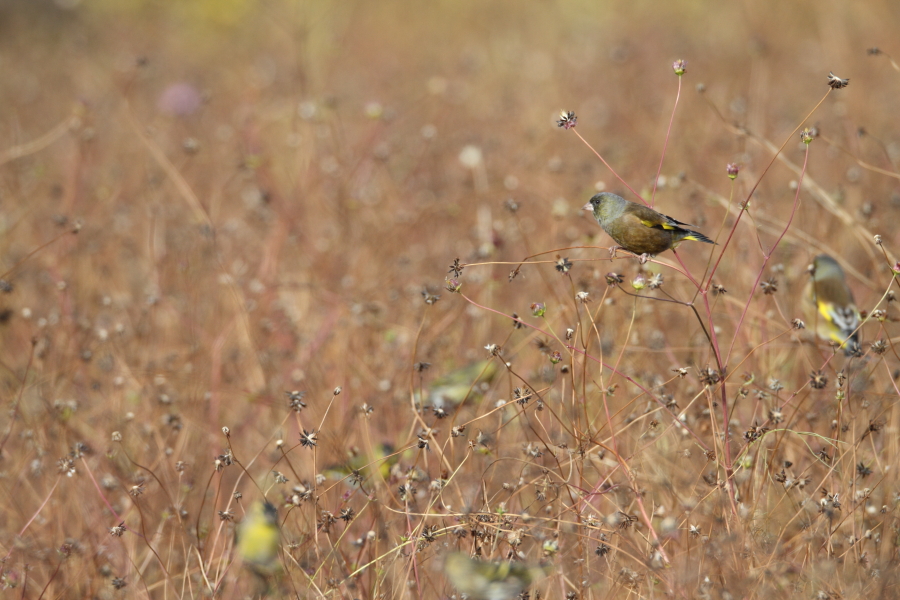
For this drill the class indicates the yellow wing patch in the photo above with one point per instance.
(826, 310)
(654, 225)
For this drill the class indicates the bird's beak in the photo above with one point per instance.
(588, 206)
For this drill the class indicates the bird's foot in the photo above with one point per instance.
(612, 251)
(644, 258)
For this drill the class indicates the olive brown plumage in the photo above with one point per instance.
(638, 228)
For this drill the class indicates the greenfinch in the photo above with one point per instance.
(382, 459)
(259, 538)
(831, 303)
(638, 228)
(481, 580)
(452, 389)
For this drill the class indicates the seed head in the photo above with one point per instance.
(709, 376)
(563, 265)
(835, 82)
(295, 400)
(567, 119)
(456, 268)
(308, 439)
(818, 380)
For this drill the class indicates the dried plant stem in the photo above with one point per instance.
(613, 171)
(666, 143)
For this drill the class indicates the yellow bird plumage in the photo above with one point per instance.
(481, 580)
(830, 303)
(638, 228)
(259, 539)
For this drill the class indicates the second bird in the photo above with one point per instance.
(831, 303)
(638, 228)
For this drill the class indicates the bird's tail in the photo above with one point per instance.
(697, 237)
(851, 346)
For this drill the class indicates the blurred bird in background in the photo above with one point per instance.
(382, 459)
(259, 539)
(450, 390)
(481, 580)
(830, 302)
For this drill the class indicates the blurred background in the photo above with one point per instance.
(263, 190)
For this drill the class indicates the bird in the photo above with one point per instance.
(482, 580)
(382, 459)
(259, 538)
(638, 228)
(451, 390)
(831, 305)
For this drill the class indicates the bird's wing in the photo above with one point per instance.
(845, 318)
(835, 289)
(656, 220)
(646, 217)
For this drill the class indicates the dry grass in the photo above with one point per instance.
(279, 236)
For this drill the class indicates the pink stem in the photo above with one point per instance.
(666, 143)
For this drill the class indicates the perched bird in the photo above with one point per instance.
(452, 389)
(831, 303)
(481, 580)
(638, 228)
(259, 538)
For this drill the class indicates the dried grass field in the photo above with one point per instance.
(332, 255)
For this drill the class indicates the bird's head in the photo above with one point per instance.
(605, 205)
